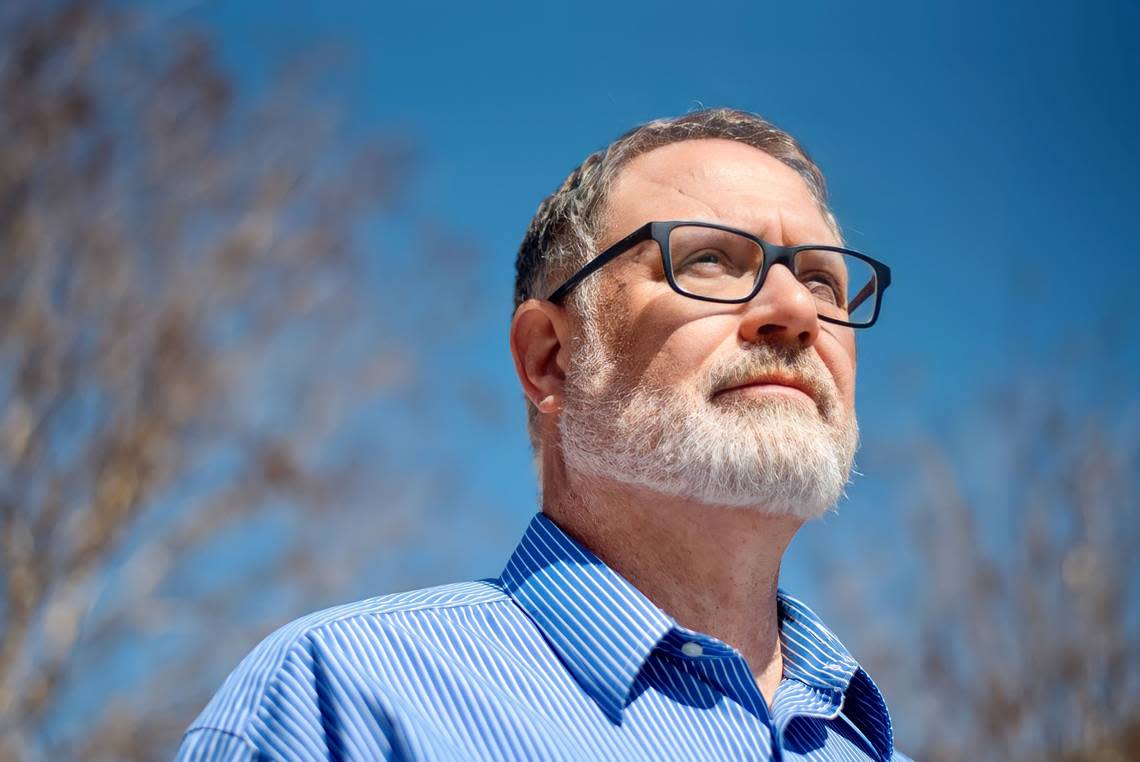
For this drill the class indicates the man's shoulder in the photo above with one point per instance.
(289, 651)
(410, 602)
(470, 593)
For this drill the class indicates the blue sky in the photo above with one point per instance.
(987, 152)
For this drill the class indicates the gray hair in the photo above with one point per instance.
(564, 232)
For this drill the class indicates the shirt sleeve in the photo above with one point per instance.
(291, 699)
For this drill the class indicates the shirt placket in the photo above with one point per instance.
(720, 666)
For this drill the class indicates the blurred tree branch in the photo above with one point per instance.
(178, 296)
(1023, 575)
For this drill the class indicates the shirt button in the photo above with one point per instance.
(692, 649)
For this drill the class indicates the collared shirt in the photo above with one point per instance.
(560, 658)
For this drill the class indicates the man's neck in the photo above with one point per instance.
(712, 568)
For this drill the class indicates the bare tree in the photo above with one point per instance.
(1022, 599)
(181, 333)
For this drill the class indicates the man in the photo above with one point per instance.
(684, 334)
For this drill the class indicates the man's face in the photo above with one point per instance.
(698, 399)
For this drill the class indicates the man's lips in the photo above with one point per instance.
(771, 385)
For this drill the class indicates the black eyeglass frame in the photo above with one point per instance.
(774, 254)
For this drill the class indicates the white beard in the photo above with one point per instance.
(774, 454)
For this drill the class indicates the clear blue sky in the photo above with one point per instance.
(986, 151)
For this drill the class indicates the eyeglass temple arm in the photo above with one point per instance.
(861, 297)
(643, 233)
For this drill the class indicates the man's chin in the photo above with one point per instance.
(774, 453)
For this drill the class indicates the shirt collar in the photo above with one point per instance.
(814, 656)
(812, 653)
(603, 628)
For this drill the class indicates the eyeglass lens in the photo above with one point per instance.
(724, 265)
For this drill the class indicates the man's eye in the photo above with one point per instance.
(710, 261)
(824, 288)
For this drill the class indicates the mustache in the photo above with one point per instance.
(761, 360)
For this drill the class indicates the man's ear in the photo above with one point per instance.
(539, 335)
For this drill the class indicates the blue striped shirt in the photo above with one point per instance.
(560, 658)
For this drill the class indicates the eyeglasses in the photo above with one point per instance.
(716, 263)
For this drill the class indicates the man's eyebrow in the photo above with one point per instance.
(646, 254)
(640, 249)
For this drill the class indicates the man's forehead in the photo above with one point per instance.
(715, 179)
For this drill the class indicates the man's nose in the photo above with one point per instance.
(783, 312)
